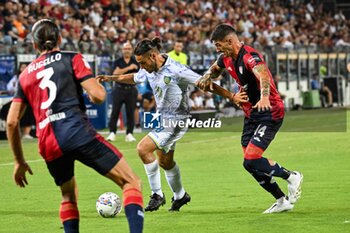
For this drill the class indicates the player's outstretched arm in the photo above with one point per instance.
(212, 73)
(122, 78)
(97, 93)
(13, 134)
(237, 98)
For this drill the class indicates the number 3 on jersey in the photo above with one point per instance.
(45, 75)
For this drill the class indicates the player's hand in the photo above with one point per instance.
(239, 98)
(19, 174)
(103, 78)
(263, 104)
(205, 83)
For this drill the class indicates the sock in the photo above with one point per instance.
(69, 215)
(153, 174)
(133, 205)
(269, 184)
(173, 177)
(266, 182)
(263, 165)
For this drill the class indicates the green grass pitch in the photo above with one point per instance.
(225, 198)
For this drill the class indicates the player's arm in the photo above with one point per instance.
(262, 74)
(96, 92)
(123, 78)
(14, 137)
(119, 70)
(237, 98)
(212, 73)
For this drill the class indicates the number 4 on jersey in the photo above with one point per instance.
(260, 131)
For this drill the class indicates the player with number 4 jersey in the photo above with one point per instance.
(264, 112)
(53, 86)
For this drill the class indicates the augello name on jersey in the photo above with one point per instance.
(53, 58)
(51, 118)
(193, 123)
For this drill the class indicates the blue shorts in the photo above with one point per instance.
(259, 133)
(97, 154)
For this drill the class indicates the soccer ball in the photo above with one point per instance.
(108, 205)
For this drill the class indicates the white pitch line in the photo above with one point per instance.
(133, 149)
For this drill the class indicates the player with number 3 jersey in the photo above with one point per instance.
(53, 86)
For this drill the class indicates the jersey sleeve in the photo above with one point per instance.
(140, 76)
(81, 68)
(19, 95)
(186, 75)
(253, 59)
(220, 61)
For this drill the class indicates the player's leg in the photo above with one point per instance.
(69, 212)
(263, 135)
(62, 170)
(118, 99)
(108, 161)
(130, 105)
(267, 182)
(122, 175)
(173, 177)
(145, 149)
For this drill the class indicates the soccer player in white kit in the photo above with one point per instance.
(169, 81)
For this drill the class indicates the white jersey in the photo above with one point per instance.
(170, 86)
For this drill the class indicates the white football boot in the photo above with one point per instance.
(281, 205)
(294, 186)
(111, 137)
(130, 138)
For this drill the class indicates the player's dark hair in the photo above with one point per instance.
(45, 34)
(146, 45)
(221, 31)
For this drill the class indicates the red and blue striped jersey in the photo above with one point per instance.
(51, 86)
(241, 71)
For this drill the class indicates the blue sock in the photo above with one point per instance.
(263, 165)
(135, 216)
(71, 226)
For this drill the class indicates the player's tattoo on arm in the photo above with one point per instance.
(215, 71)
(262, 74)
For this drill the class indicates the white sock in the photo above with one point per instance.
(173, 177)
(153, 174)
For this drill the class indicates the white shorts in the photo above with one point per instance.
(165, 140)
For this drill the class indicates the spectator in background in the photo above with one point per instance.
(27, 121)
(323, 69)
(209, 101)
(12, 84)
(326, 95)
(177, 53)
(192, 101)
(124, 94)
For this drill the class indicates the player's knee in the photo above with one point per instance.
(248, 164)
(141, 149)
(136, 182)
(166, 164)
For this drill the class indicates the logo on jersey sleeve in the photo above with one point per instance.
(254, 59)
(87, 65)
